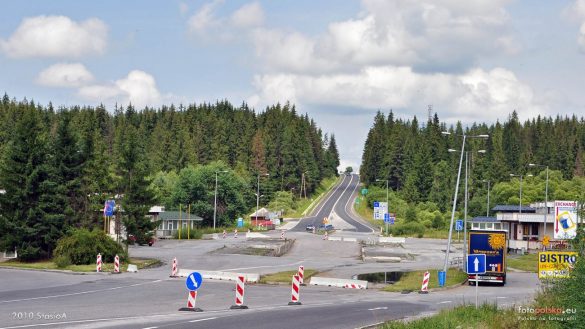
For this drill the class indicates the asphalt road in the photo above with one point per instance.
(339, 202)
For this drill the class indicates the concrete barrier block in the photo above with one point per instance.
(350, 239)
(219, 275)
(334, 238)
(384, 239)
(333, 282)
(132, 268)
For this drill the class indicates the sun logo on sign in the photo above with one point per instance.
(497, 241)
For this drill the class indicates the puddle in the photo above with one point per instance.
(381, 277)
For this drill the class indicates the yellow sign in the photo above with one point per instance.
(555, 264)
(546, 240)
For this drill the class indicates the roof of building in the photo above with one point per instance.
(174, 215)
(512, 208)
(262, 212)
(484, 219)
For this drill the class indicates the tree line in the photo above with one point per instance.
(416, 161)
(58, 166)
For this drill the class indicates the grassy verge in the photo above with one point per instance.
(106, 267)
(303, 204)
(487, 316)
(413, 280)
(286, 276)
(528, 262)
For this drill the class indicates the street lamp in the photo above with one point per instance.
(387, 204)
(455, 196)
(487, 210)
(466, 199)
(215, 197)
(545, 193)
(258, 194)
(513, 175)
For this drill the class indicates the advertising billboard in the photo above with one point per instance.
(555, 264)
(565, 220)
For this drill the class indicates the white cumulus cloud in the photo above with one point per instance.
(249, 15)
(204, 19)
(64, 75)
(56, 36)
(138, 88)
(475, 95)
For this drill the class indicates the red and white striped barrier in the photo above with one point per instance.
(235, 233)
(282, 234)
(353, 286)
(325, 237)
(224, 234)
(116, 264)
(294, 298)
(191, 299)
(301, 274)
(98, 263)
(240, 293)
(424, 289)
(174, 268)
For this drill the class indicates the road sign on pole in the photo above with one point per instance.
(380, 209)
(194, 281)
(476, 264)
(459, 225)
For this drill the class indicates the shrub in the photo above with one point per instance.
(412, 228)
(81, 247)
(193, 234)
(62, 261)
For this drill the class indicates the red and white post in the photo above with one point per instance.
(224, 234)
(240, 283)
(282, 234)
(98, 263)
(116, 264)
(174, 268)
(424, 289)
(325, 237)
(294, 298)
(191, 300)
(301, 274)
(235, 233)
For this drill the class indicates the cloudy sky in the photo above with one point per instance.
(338, 61)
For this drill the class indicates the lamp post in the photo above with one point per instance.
(487, 210)
(258, 194)
(545, 194)
(466, 199)
(455, 198)
(387, 204)
(514, 175)
(215, 197)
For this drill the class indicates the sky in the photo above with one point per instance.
(339, 61)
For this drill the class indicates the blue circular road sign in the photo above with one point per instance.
(194, 281)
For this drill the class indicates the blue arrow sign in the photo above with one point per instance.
(459, 225)
(476, 264)
(376, 204)
(194, 281)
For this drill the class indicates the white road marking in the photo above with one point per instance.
(445, 302)
(150, 328)
(501, 297)
(199, 320)
(85, 321)
(78, 293)
(377, 308)
(265, 266)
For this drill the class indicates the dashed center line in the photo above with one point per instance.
(199, 320)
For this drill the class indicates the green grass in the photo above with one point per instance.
(106, 267)
(528, 262)
(286, 276)
(468, 317)
(413, 280)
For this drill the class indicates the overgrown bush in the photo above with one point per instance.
(191, 234)
(412, 228)
(81, 247)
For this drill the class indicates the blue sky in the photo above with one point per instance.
(339, 61)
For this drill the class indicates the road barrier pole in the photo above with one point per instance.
(294, 298)
(240, 283)
(98, 264)
(174, 268)
(191, 300)
(301, 274)
(424, 289)
(117, 264)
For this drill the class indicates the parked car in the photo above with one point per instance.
(310, 227)
(325, 227)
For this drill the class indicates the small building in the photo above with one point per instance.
(170, 221)
(264, 218)
(526, 224)
(485, 223)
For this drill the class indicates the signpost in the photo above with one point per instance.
(555, 264)
(565, 220)
(476, 264)
(380, 208)
(193, 282)
(458, 227)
